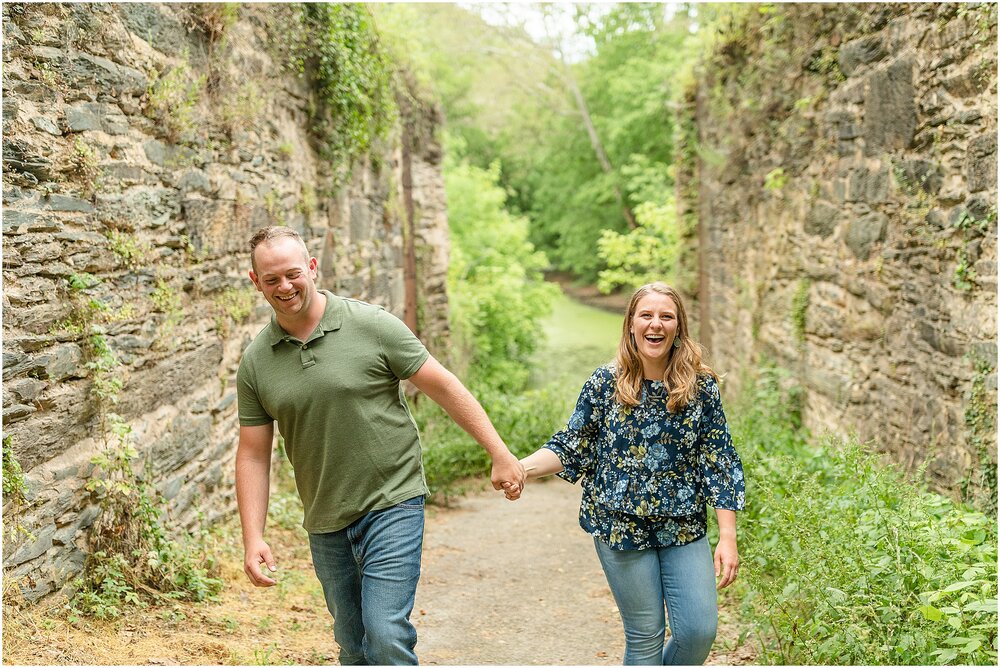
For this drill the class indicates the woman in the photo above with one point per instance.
(649, 438)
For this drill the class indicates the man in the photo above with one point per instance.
(328, 370)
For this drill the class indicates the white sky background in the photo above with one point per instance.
(560, 21)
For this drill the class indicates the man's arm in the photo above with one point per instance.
(448, 391)
(253, 481)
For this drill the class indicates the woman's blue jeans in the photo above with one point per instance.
(683, 577)
(369, 573)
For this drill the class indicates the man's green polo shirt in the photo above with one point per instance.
(338, 403)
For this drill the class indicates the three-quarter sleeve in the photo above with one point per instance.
(575, 445)
(722, 471)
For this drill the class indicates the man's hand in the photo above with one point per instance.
(255, 557)
(508, 474)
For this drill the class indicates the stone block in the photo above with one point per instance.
(864, 232)
(83, 117)
(971, 82)
(159, 28)
(26, 389)
(890, 108)
(31, 549)
(981, 163)
(822, 219)
(17, 221)
(184, 441)
(852, 55)
(23, 156)
(360, 221)
(940, 339)
(63, 421)
(61, 362)
(47, 126)
(56, 202)
(868, 186)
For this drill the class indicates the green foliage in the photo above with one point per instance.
(232, 306)
(651, 252)
(775, 180)
(846, 562)
(172, 99)
(496, 290)
(133, 559)
(980, 485)
(127, 248)
(242, 109)
(84, 165)
(526, 421)
(337, 47)
(14, 485)
(166, 300)
(964, 278)
(800, 305)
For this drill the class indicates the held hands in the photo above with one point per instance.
(256, 556)
(508, 474)
(727, 561)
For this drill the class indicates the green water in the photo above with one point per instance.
(578, 339)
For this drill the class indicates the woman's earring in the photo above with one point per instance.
(677, 342)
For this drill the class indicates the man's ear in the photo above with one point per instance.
(253, 278)
(314, 266)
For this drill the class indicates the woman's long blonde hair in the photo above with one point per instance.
(683, 367)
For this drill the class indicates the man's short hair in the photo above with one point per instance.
(268, 234)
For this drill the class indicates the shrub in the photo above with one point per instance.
(847, 562)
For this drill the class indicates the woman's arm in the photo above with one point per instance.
(727, 557)
(541, 463)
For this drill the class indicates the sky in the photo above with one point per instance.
(557, 21)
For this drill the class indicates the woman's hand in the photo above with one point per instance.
(727, 561)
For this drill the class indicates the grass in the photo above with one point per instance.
(578, 339)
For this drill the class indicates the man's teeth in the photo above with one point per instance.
(288, 298)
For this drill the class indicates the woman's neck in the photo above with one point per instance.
(653, 371)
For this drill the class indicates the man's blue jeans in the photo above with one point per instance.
(369, 573)
(642, 580)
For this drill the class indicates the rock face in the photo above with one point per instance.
(870, 269)
(140, 153)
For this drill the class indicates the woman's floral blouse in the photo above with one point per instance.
(647, 473)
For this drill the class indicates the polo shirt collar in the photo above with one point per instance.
(333, 318)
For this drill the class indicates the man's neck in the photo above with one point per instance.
(302, 324)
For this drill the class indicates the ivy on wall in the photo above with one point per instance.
(338, 48)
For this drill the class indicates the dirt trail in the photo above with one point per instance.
(502, 584)
(520, 583)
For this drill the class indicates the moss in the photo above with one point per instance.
(800, 305)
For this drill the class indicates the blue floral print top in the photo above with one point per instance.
(648, 473)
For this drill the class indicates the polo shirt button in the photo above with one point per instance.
(304, 346)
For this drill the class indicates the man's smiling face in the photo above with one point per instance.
(285, 275)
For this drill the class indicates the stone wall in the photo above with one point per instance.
(847, 195)
(141, 149)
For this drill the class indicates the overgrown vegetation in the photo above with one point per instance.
(980, 485)
(496, 292)
(132, 559)
(337, 47)
(15, 491)
(172, 98)
(846, 561)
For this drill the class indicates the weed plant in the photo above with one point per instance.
(847, 562)
(133, 559)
